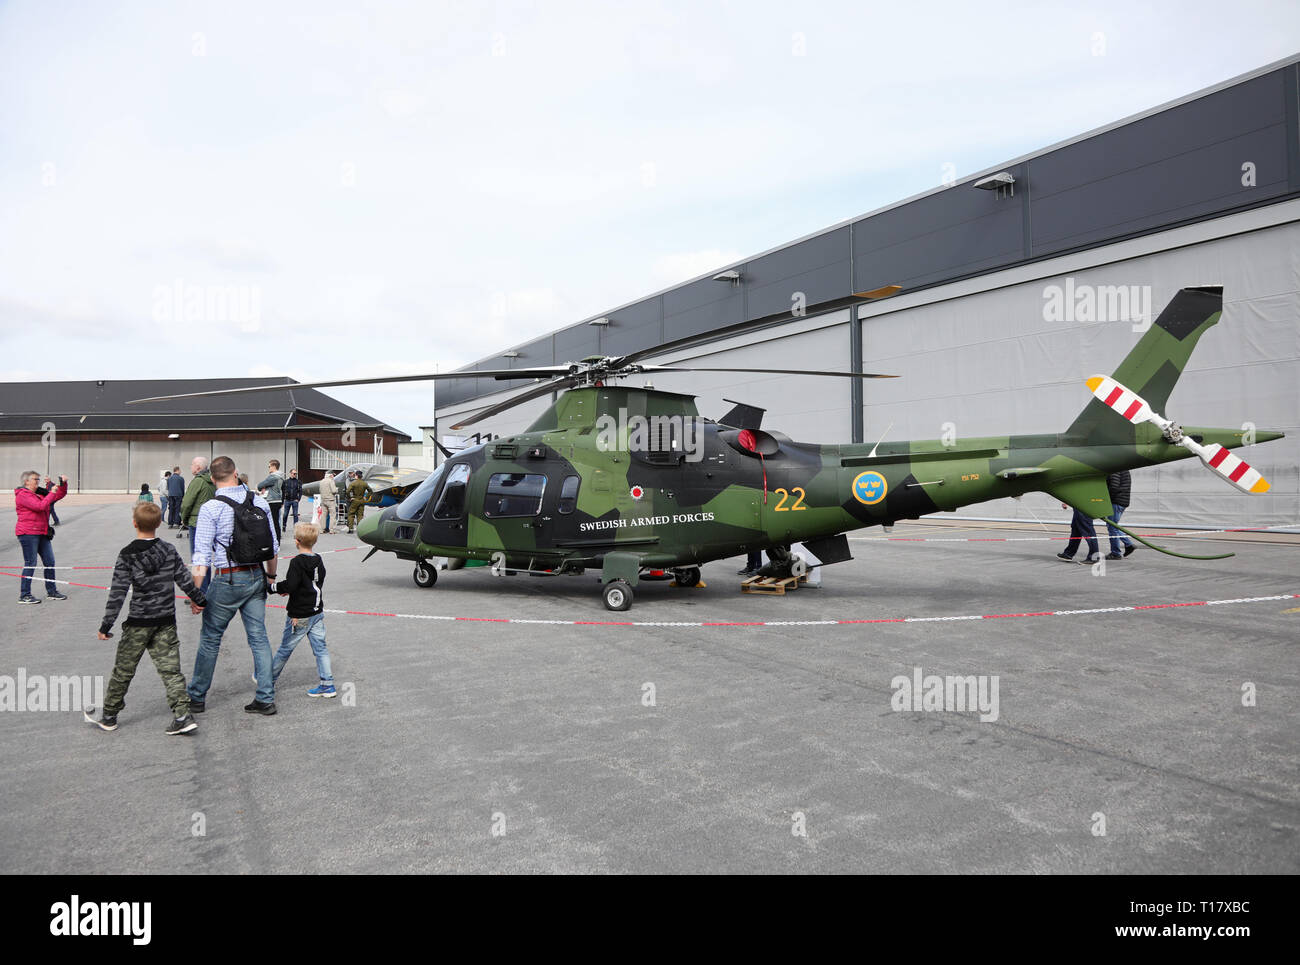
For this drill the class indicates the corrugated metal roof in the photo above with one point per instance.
(101, 406)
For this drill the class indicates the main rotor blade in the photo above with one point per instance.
(534, 392)
(532, 373)
(695, 368)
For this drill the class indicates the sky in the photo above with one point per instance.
(342, 190)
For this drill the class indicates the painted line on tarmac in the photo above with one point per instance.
(1039, 539)
(1133, 608)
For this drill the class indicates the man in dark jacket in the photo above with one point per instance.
(1120, 485)
(175, 494)
(292, 491)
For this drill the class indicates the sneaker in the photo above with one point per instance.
(745, 572)
(1065, 556)
(1093, 559)
(103, 723)
(324, 690)
(1128, 549)
(28, 599)
(56, 595)
(182, 725)
(198, 706)
(1114, 556)
(257, 707)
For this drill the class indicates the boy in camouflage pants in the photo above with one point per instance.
(150, 567)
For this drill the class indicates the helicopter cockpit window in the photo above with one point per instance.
(569, 494)
(513, 494)
(451, 502)
(412, 507)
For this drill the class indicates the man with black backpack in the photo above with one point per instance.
(235, 539)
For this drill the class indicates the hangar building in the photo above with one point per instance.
(1017, 284)
(86, 431)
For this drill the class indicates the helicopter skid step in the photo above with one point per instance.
(772, 586)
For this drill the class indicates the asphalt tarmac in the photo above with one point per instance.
(476, 745)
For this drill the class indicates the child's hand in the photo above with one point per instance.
(105, 636)
(195, 608)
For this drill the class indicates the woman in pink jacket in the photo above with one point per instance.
(33, 531)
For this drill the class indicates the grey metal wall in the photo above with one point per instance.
(1179, 165)
(95, 465)
(990, 363)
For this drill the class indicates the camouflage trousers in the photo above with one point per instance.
(356, 512)
(165, 649)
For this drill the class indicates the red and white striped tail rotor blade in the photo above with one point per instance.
(1127, 403)
(1232, 468)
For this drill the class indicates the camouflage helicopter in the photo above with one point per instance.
(603, 479)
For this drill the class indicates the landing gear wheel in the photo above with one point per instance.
(688, 577)
(425, 575)
(798, 566)
(618, 595)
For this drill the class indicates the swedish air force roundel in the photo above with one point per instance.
(869, 487)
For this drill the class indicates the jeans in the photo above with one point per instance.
(174, 517)
(290, 506)
(1116, 537)
(242, 592)
(275, 518)
(207, 577)
(33, 546)
(313, 628)
(162, 506)
(1081, 528)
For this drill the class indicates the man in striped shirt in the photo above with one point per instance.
(236, 588)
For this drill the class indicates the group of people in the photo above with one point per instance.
(1119, 485)
(234, 541)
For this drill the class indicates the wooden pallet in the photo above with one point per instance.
(771, 585)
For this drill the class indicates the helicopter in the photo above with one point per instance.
(633, 481)
(385, 485)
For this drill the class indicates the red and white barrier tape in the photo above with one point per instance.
(765, 623)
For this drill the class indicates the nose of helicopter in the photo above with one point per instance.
(368, 528)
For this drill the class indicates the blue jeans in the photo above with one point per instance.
(1116, 537)
(290, 506)
(162, 506)
(207, 577)
(313, 628)
(243, 592)
(1081, 528)
(33, 546)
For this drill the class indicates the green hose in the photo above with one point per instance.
(1161, 549)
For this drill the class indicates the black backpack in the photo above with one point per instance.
(251, 540)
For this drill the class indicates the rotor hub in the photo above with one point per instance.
(1173, 433)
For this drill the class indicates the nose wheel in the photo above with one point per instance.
(425, 574)
(618, 595)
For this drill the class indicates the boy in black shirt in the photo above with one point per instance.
(306, 616)
(149, 567)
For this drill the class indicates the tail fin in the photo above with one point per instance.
(1153, 367)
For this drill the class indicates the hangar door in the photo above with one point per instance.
(103, 466)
